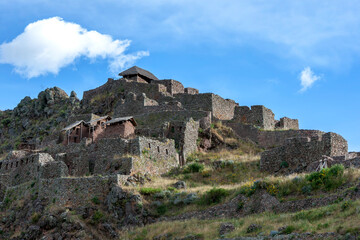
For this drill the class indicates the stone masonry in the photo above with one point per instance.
(298, 153)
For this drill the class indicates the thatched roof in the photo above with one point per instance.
(122, 119)
(138, 71)
(71, 126)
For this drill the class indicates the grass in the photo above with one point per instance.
(332, 218)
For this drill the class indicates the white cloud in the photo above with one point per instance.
(50, 44)
(307, 78)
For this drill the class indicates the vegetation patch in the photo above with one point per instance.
(150, 191)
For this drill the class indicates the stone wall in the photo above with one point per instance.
(109, 155)
(185, 134)
(140, 104)
(172, 86)
(121, 129)
(298, 153)
(75, 191)
(222, 109)
(287, 123)
(257, 115)
(30, 168)
(271, 138)
(123, 86)
(190, 90)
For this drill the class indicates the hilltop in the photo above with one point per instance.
(143, 158)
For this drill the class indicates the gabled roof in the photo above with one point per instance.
(71, 126)
(95, 118)
(138, 71)
(122, 119)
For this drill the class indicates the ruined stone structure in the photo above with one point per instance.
(297, 153)
(268, 138)
(118, 156)
(263, 118)
(185, 135)
(98, 151)
(30, 167)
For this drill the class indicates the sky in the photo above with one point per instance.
(299, 58)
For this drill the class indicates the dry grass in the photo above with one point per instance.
(3, 156)
(332, 218)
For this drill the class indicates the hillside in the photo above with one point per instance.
(143, 158)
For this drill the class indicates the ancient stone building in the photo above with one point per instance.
(30, 167)
(123, 127)
(118, 156)
(74, 133)
(297, 153)
(98, 128)
(138, 75)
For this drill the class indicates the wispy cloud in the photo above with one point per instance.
(307, 79)
(48, 45)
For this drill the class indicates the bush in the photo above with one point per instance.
(5, 122)
(35, 217)
(194, 168)
(95, 200)
(328, 178)
(161, 210)
(149, 191)
(288, 229)
(345, 205)
(98, 216)
(240, 205)
(214, 196)
(249, 188)
(284, 164)
(192, 158)
(306, 189)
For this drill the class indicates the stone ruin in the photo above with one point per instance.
(297, 154)
(162, 132)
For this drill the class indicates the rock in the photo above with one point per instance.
(261, 201)
(253, 227)
(73, 94)
(110, 230)
(32, 233)
(48, 222)
(273, 233)
(190, 198)
(226, 228)
(180, 185)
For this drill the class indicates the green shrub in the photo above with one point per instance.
(249, 188)
(345, 205)
(149, 191)
(194, 168)
(35, 217)
(288, 229)
(306, 189)
(214, 196)
(95, 200)
(284, 164)
(328, 178)
(162, 209)
(240, 205)
(5, 122)
(192, 158)
(98, 216)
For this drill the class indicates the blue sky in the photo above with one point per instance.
(299, 58)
